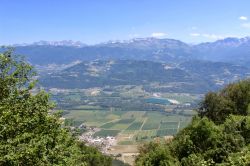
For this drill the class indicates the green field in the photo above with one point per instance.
(150, 125)
(129, 112)
(125, 121)
(105, 133)
(107, 125)
(133, 114)
(137, 126)
(166, 132)
(145, 135)
(165, 125)
(183, 124)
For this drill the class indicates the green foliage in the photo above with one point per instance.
(241, 158)
(234, 99)
(216, 107)
(30, 133)
(206, 138)
(116, 162)
(219, 135)
(155, 154)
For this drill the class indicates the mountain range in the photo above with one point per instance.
(231, 50)
(157, 64)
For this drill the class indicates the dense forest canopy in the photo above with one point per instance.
(218, 135)
(30, 134)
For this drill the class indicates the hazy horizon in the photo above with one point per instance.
(121, 40)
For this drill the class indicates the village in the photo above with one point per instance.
(102, 143)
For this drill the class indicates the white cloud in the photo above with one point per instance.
(246, 25)
(213, 36)
(244, 18)
(158, 34)
(207, 35)
(195, 34)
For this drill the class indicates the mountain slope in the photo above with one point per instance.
(138, 49)
(191, 76)
(231, 50)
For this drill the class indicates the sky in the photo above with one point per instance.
(95, 21)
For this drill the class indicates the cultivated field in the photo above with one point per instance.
(130, 127)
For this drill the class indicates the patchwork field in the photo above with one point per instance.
(105, 133)
(129, 126)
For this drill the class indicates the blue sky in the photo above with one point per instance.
(95, 21)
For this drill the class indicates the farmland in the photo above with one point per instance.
(130, 126)
(105, 133)
(129, 113)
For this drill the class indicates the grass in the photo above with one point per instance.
(165, 132)
(183, 124)
(129, 131)
(133, 114)
(107, 125)
(105, 133)
(126, 143)
(120, 126)
(165, 125)
(135, 126)
(129, 122)
(112, 116)
(149, 125)
(145, 135)
(125, 121)
(95, 124)
(87, 107)
(118, 113)
(153, 121)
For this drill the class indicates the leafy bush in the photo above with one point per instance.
(30, 133)
(219, 135)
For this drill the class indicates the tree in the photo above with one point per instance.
(233, 99)
(219, 135)
(155, 154)
(216, 107)
(30, 133)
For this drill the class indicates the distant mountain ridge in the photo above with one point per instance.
(230, 50)
(188, 77)
(156, 64)
(69, 43)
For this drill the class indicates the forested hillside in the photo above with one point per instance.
(187, 77)
(31, 132)
(218, 135)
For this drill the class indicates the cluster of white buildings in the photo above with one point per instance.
(103, 143)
